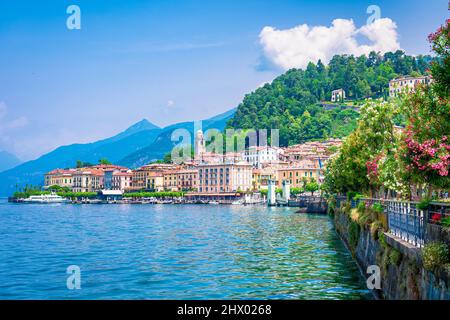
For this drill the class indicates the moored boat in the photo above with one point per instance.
(45, 198)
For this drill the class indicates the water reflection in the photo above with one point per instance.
(173, 252)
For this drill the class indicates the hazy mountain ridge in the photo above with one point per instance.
(8, 160)
(163, 143)
(143, 140)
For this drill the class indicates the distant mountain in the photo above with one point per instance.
(143, 125)
(137, 145)
(115, 148)
(7, 160)
(163, 143)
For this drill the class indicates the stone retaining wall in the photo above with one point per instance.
(402, 273)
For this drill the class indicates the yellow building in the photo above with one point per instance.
(180, 180)
(170, 180)
(145, 178)
(297, 175)
(59, 177)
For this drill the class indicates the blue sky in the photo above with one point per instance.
(167, 61)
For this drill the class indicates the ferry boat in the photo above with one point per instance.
(45, 198)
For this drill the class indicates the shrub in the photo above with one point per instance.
(358, 197)
(385, 259)
(331, 206)
(351, 195)
(346, 207)
(377, 207)
(364, 219)
(374, 227)
(423, 204)
(445, 222)
(382, 239)
(395, 257)
(361, 206)
(435, 255)
(353, 234)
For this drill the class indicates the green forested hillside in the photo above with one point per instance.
(290, 102)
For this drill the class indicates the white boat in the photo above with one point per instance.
(237, 202)
(46, 198)
(213, 202)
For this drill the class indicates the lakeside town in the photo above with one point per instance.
(319, 168)
(244, 177)
(209, 177)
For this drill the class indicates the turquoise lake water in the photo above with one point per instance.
(173, 252)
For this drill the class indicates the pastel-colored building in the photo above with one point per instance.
(297, 175)
(259, 155)
(59, 177)
(88, 180)
(122, 180)
(151, 177)
(219, 178)
(180, 180)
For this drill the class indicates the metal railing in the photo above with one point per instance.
(405, 220)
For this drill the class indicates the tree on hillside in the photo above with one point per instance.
(290, 102)
(81, 164)
(104, 161)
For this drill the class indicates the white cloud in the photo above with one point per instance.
(170, 103)
(296, 47)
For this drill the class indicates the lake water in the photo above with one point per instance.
(173, 252)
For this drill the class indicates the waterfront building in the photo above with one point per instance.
(88, 180)
(298, 175)
(170, 180)
(122, 180)
(256, 179)
(261, 177)
(151, 177)
(59, 177)
(407, 84)
(180, 180)
(337, 95)
(187, 179)
(218, 178)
